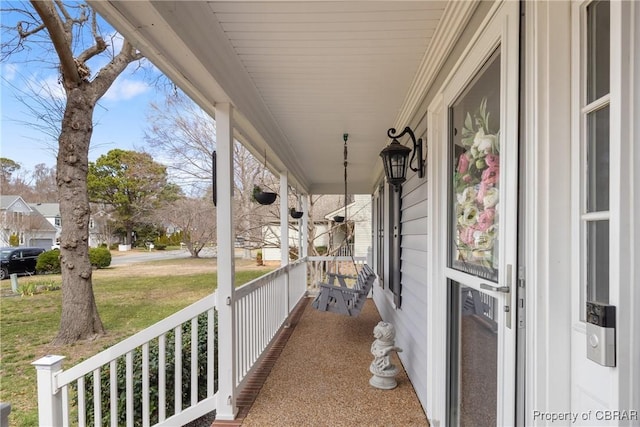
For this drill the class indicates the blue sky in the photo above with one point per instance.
(120, 117)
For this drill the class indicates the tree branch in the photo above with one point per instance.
(100, 45)
(109, 72)
(60, 40)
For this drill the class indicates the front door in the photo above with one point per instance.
(481, 236)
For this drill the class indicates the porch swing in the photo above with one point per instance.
(341, 298)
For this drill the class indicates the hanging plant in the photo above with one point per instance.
(263, 197)
(295, 214)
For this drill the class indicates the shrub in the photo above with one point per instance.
(100, 257)
(169, 367)
(27, 289)
(160, 246)
(49, 262)
(13, 240)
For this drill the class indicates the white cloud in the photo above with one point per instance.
(9, 71)
(124, 89)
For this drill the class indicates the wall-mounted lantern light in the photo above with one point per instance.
(395, 155)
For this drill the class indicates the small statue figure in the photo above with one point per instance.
(383, 370)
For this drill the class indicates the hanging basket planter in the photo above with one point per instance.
(263, 197)
(338, 218)
(295, 214)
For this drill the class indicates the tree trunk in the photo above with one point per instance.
(80, 319)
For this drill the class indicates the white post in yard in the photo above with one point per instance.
(305, 226)
(226, 408)
(284, 219)
(49, 396)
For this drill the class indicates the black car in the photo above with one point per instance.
(18, 260)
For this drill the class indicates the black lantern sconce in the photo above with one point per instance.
(395, 155)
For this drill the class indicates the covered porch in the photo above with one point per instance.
(317, 373)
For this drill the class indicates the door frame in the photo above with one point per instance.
(500, 27)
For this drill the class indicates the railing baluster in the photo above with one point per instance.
(194, 361)
(129, 388)
(82, 413)
(210, 351)
(97, 398)
(145, 385)
(177, 398)
(162, 377)
(113, 391)
(65, 406)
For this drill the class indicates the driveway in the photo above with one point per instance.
(131, 257)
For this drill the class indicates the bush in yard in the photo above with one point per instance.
(121, 375)
(100, 257)
(49, 262)
(14, 240)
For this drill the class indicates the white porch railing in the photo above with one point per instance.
(165, 375)
(262, 307)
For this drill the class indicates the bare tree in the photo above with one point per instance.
(184, 136)
(44, 183)
(196, 218)
(60, 26)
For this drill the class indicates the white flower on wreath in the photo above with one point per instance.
(491, 198)
(468, 195)
(469, 216)
(483, 143)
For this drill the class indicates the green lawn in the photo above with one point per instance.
(126, 305)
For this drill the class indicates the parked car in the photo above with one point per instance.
(18, 260)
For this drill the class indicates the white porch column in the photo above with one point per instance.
(226, 405)
(49, 397)
(304, 248)
(284, 219)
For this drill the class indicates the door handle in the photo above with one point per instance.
(504, 289)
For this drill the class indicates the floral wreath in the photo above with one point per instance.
(475, 183)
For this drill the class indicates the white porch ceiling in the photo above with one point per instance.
(300, 74)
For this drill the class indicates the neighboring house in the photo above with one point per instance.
(329, 234)
(51, 211)
(358, 219)
(19, 219)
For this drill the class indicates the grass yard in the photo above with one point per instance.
(129, 298)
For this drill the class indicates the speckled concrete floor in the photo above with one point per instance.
(322, 378)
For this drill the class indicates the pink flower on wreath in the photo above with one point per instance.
(482, 191)
(466, 235)
(467, 178)
(486, 219)
(463, 163)
(492, 160)
(491, 175)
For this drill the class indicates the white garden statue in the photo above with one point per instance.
(384, 372)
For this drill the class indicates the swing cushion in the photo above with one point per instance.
(342, 299)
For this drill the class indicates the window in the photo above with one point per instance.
(379, 228)
(387, 228)
(595, 147)
(393, 235)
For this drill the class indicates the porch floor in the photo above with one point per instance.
(318, 374)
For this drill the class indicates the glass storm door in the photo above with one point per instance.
(482, 235)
